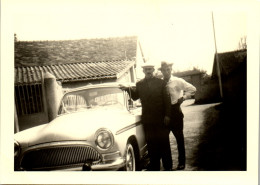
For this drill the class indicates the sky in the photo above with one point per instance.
(179, 33)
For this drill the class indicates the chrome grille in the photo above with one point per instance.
(58, 156)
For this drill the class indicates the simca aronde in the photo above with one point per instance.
(98, 127)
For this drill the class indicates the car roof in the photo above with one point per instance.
(102, 85)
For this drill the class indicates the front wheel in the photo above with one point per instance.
(130, 158)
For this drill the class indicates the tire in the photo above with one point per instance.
(130, 157)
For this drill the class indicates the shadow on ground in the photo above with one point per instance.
(222, 144)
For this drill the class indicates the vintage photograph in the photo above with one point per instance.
(147, 87)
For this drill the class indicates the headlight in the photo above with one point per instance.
(104, 139)
(16, 148)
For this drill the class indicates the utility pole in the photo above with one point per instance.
(217, 60)
(141, 52)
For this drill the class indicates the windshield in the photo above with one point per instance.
(91, 99)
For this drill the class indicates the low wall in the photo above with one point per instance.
(208, 93)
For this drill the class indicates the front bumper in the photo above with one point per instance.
(110, 161)
(105, 166)
(110, 165)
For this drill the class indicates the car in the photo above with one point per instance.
(97, 128)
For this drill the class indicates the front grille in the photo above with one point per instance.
(58, 156)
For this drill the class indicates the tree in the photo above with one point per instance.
(242, 43)
(15, 38)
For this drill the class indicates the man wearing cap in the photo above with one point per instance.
(155, 115)
(179, 90)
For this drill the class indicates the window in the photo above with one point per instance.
(92, 98)
(28, 99)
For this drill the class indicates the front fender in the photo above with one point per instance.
(134, 130)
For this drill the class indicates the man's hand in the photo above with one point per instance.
(180, 100)
(166, 120)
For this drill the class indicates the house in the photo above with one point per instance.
(73, 63)
(233, 71)
(233, 109)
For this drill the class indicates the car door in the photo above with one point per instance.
(134, 108)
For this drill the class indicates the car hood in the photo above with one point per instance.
(76, 126)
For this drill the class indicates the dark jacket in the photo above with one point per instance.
(154, 98)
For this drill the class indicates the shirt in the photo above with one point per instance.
(177, 87)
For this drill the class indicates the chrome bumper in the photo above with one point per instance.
(106, 166)
(113, 165)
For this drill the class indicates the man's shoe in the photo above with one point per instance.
(180, 167)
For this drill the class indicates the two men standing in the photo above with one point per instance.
(161, 113)
(155, 116)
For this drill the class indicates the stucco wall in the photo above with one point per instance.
(32, 120)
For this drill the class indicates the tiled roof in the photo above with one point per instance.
(41, 53)
(74, 60)
(73, 72)
(229, 62)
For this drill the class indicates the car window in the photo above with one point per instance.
(92, 98)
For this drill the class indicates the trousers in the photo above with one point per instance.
(176, 126)
(158, 144)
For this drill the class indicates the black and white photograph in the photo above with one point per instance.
(129, 92)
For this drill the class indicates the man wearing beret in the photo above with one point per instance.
(155, 115)
(177, 87)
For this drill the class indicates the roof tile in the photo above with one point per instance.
(73, 60)
(229, 62)
(73, 72)
(42, 53)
